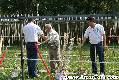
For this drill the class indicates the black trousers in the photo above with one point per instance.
(97, 49)
(32, 54)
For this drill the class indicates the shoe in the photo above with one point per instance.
(27, 76)
(102, 76)
(37, 76)
(95, 76)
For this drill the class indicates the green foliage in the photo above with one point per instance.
(55, 7)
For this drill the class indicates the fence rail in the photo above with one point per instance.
(72, 24)
(60, 18)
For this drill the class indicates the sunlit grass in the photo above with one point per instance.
(80, 61)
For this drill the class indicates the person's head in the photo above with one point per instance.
(30, 20)
(90, 21)
(48, 27)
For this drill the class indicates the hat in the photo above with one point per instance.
(90, 18)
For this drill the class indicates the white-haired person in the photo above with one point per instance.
(53, 42)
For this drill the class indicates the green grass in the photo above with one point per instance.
(75, 65)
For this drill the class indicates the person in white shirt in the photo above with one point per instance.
(96, 34)
(54, 46)
(32, 33)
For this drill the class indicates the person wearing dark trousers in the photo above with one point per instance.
(32, 54)
(100, 52)
(96, 34)
(32, 33)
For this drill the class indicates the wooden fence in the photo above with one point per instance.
(75, 25)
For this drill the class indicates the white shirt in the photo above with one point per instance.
(32, 32)
(95, 34)
(53, 36)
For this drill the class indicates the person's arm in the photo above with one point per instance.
(44, 37)
(41, 33)
(104, 39)
(86, 34)
(104, 42)
(83, 41)
(104, 36)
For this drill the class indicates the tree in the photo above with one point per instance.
(55, 7)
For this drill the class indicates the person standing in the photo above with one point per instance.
(32, 33)
(96, 34)
(54, 47)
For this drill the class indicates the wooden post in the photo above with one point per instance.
(1, 40)
(22, 60)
